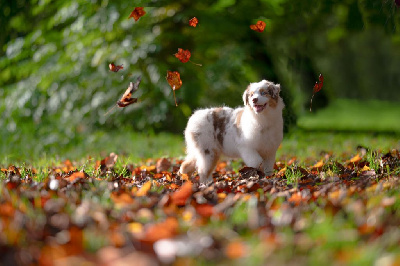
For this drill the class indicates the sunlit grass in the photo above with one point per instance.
(355, 115)
(306, 145)
(134, 147)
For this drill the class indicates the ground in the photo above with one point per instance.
(337, 204)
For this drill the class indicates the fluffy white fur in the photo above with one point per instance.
(253, 132)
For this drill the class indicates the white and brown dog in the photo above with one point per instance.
(253, 132)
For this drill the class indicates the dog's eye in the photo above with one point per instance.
(263, 92)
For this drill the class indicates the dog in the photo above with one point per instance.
(253, 132)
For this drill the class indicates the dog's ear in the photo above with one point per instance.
(246, 96)
(274, 90)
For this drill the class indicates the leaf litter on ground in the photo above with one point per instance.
(152, 214)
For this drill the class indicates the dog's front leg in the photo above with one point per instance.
(268, 165)
(251, 157)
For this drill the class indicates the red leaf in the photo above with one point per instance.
(318, 84)
(115, 68)
(193, 22)
(321, 78)
(137, 13)
(259, 26)
(205, 210)
(317, 87)
(127, 99)
(183, 55)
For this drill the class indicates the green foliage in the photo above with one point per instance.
(373, 161)
(293, 175)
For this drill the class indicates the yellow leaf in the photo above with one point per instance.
(150, 168)
(221, 196)
(144, 189)
(187, 216)
(365, 168)
(318, 164)
(355, 159)
(135, 227)
(185, 177)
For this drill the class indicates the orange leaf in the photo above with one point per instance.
(115, 68)
(235, 249)
(75, 175)
(183, 55)
(259, 26)
(193, 22)
(205, 210)
(355, 159)
(166, 229)
(180, 196)
(174, 80)
(127, 99)
(123, 198)
(318, 165)
(144, 189)
(296, 198)
(137, 13)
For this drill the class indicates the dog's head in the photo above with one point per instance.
(260, 95)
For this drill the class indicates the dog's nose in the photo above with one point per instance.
(255, 100)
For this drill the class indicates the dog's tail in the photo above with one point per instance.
(188, 166)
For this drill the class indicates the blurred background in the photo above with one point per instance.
(56, 87)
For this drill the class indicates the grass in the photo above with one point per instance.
(136, 147)
(355, 115)
(126, 143)
(293, 176)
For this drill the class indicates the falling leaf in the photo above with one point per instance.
(193, 22)
(174, 80)
(259, 26)
(137, 13)
(127, 99)
(183, 55)
(115, 68)
(318, 84)
(317, 87)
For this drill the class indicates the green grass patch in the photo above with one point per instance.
(355, 115)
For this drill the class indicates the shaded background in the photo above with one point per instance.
(56, 87)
